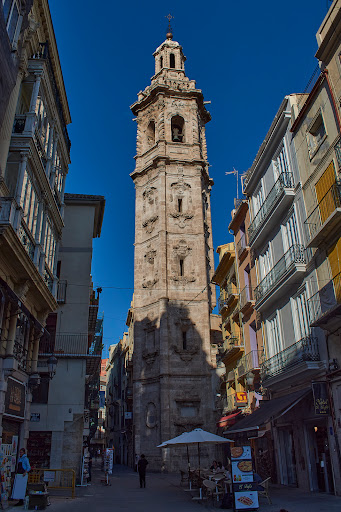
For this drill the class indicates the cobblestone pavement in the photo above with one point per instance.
(164, 494)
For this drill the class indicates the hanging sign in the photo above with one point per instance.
(241, 397)
(15, 398)
(321, 398)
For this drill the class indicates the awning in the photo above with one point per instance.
(227, 421)
(268, 410)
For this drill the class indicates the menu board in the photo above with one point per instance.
(108, 460)
(245, 493)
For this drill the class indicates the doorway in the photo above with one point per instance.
(319, 453)
(287, 461)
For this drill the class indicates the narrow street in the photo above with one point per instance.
(163, 493)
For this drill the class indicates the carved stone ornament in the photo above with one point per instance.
(150, 283)
(149, 357)
(149, 195)
(150, 256)
(183, 280)
(181, 218)
(185, 355)
(182, 249)
(149, 224)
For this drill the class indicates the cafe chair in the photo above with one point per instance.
(265, 492)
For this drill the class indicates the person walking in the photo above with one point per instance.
(23, 468)
(141, 467)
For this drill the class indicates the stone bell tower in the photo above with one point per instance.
(173, 297)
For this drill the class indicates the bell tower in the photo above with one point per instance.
(173, 297)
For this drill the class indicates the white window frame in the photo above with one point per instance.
(258, 198)
(300, 314)
(276, 345)
(265, 262)
(290, 225)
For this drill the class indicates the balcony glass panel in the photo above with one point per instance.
(284, 181)
(296, 254)
(304, 350)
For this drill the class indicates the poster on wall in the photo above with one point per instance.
(15, 398)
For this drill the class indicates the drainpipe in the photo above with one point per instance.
(325, 72)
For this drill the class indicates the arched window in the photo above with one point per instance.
(151, 134)
(178, 129)
(172, 60)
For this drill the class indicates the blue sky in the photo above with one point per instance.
(245, 56)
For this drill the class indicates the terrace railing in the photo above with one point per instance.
(304, 350)
(328, 204)
(249, 362)
(285, 180)
(296, 254)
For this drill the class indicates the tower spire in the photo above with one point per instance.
(169, 34)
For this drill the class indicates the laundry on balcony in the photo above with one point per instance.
(268, 410)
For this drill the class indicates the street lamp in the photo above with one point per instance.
(51, 365)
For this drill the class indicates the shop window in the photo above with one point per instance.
(178, 126)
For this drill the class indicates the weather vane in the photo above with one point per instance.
(169, 18)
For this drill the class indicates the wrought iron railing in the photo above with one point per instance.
(249, 362)
(304, 350)
(241, 245)
(226, 295)
(246, 296)
(229, 343)
(20, 354)
(326, 298)
(61, 292)
(296, 254)
(19, 124)
(48, 279)
(323, 210)
(69, 343)
(26, 241)
(285, 180)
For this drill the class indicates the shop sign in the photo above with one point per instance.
(321, 399)
(15, 398)
(35, 416)
(241, 398)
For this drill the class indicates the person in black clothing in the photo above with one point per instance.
(141, 467)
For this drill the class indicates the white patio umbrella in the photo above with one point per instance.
(196, 436)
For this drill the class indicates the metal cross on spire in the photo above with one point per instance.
(169, 18)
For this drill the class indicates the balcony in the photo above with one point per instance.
(246, 299)
(71, 344)
(61, 292)
(251, 361)
(277, 202)
(242, 246)
(232, 347)
(227, 297)
(289, 269)
(293, 363)
(325, 219)
(325, 306)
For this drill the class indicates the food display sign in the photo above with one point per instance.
(242, 471)
(244, 488)
(240, 452)
(246, 500)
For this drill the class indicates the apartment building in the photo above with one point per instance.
(34, 159)
(119, 425)
(65, 409)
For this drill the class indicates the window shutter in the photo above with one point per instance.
(325, 193)
(334, 257)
